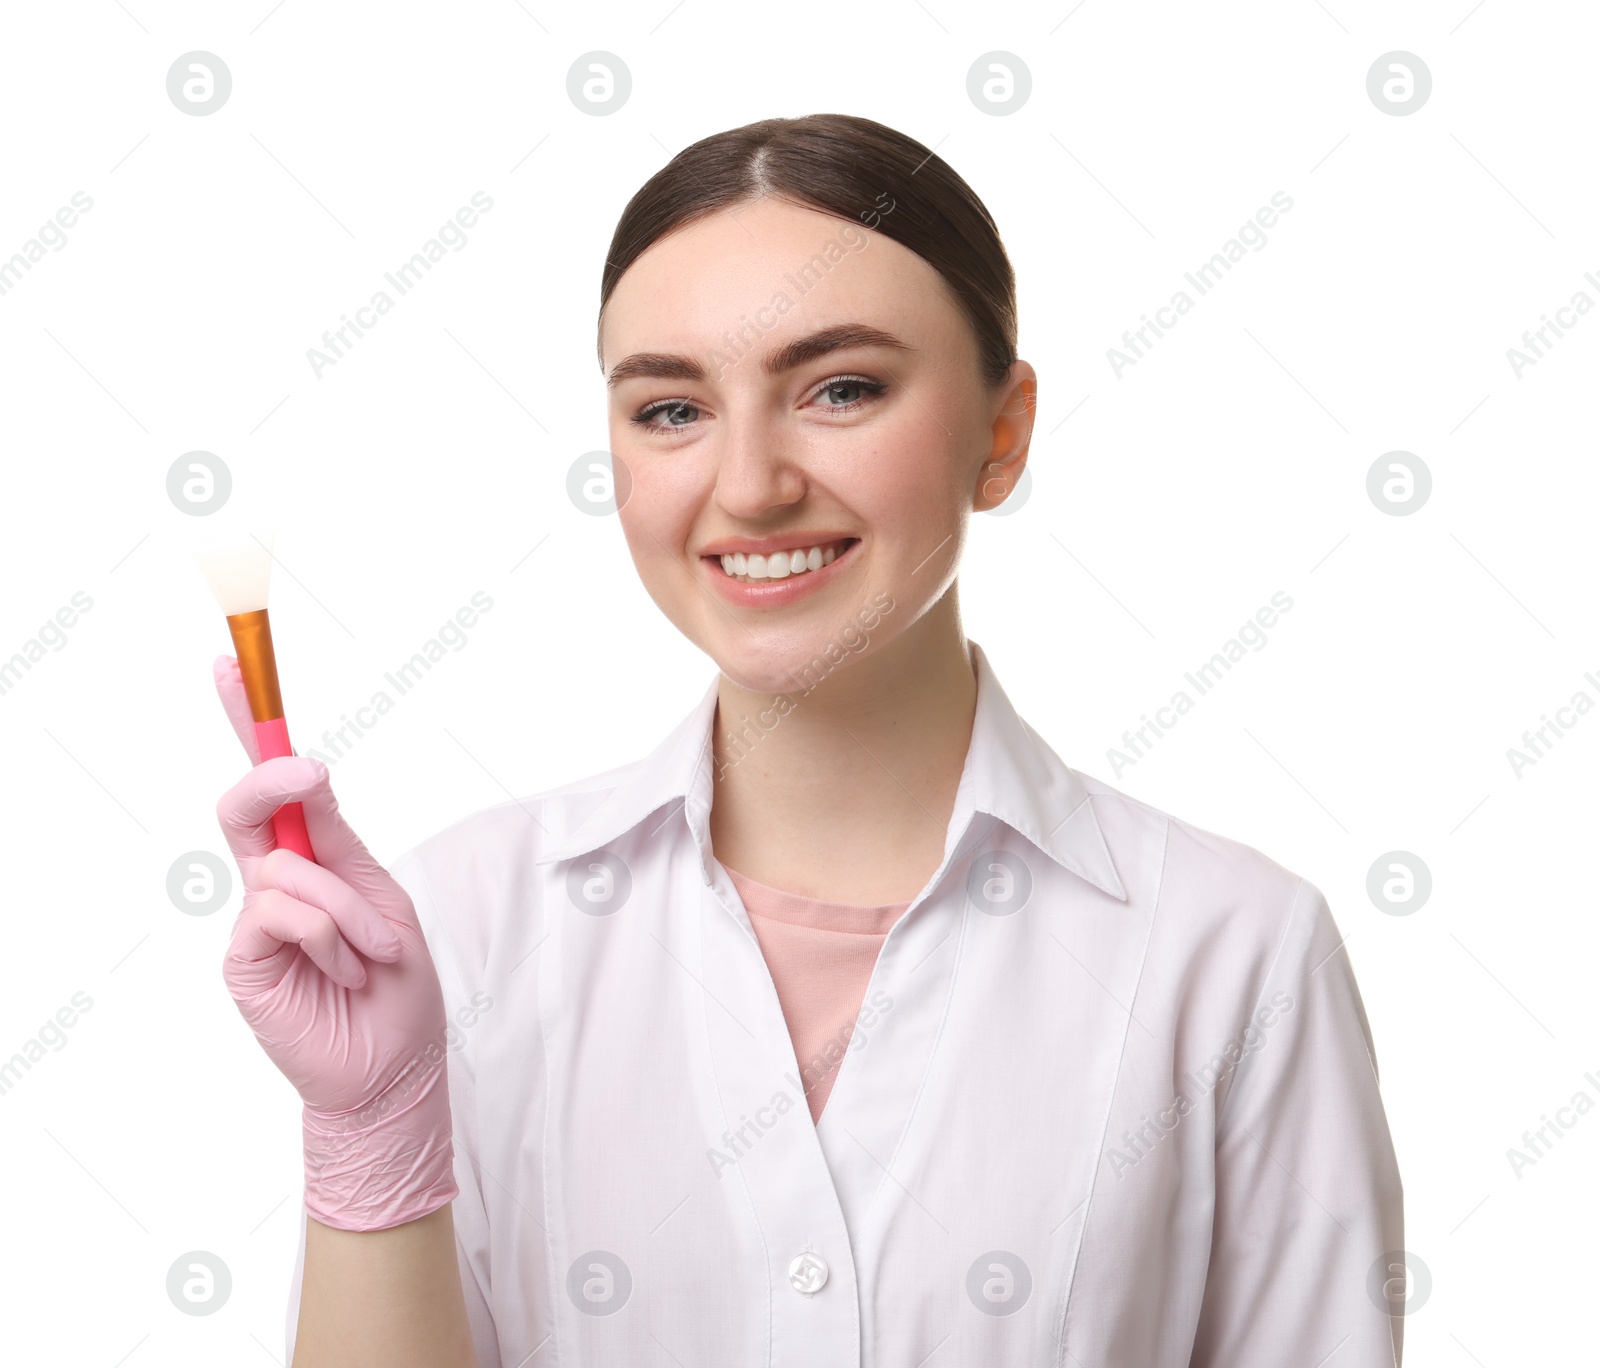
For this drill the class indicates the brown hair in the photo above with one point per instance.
(854, 169)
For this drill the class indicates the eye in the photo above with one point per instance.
(859, 384)
(841, 394)
(680, 413)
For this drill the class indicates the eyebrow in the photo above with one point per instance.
(674, 366)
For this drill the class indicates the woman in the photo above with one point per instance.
(850, 1025)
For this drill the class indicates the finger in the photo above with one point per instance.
(339, 848)
(265, 937)
(245, 811)
(230, 689)
(359, 922)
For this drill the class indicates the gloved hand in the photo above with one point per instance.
(364, 1044)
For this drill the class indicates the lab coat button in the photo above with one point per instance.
(807, 1272)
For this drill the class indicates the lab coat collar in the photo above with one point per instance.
(1009, 773)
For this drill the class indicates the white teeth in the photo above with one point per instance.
(780, 564)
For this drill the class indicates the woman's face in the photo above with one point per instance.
(781, 379)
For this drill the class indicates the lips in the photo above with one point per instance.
(819, 562)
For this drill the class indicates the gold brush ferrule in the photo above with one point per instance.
(252, 643)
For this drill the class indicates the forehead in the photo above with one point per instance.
(763, 272)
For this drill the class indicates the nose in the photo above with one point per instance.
(757, 469)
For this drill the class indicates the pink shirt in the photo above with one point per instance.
(820, 955)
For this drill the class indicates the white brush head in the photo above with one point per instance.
(237, 564)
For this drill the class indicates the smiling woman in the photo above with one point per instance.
(878, 410)
(992, 1172)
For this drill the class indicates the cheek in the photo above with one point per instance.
(914, 479)
(657, 517)
(650, 549)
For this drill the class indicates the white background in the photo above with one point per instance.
(1167, 505)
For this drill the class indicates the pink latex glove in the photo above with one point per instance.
(363, 1044)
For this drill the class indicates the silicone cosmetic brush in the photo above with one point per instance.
(237, 566)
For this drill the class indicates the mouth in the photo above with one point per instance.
(799, 560)
(781, 576)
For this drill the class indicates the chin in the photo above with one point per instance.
(790, 665)
(766, 672)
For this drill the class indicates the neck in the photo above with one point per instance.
(845, 792)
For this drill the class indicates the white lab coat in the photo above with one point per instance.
(1111, 1101)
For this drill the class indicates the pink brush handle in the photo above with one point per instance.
(289, 821)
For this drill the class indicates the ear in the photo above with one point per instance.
(1009, 436)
